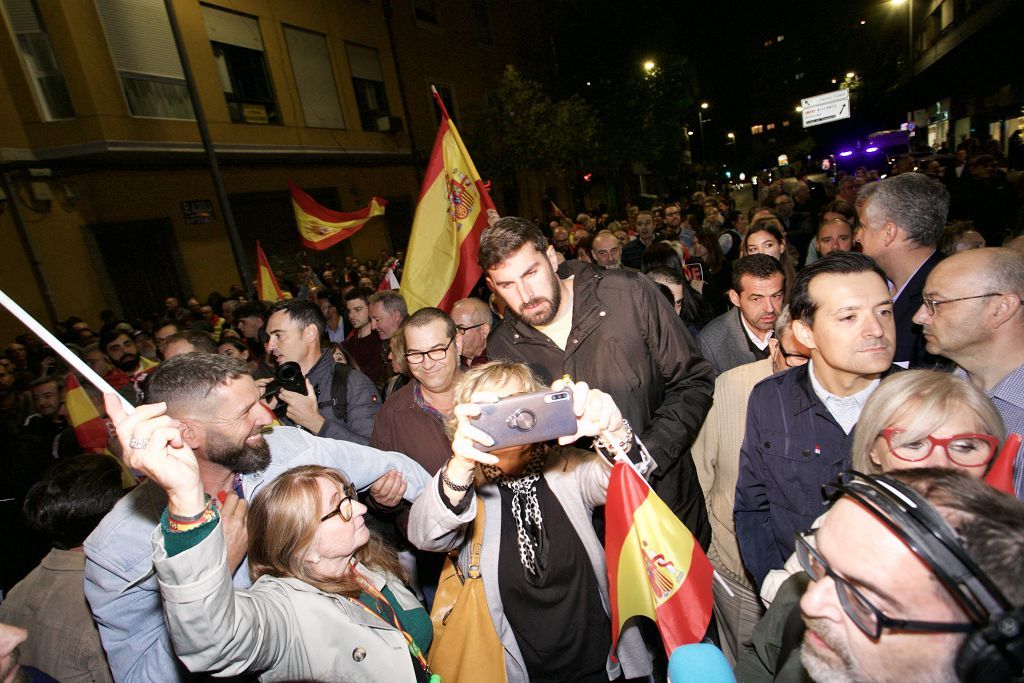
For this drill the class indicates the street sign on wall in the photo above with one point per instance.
(825, 108)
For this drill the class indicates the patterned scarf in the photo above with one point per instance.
(525, 506)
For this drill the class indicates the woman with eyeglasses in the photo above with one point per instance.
(918, 418)
(914, 419)
(328, 600)
(542, 565)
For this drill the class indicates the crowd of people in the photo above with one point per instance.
(818, 388)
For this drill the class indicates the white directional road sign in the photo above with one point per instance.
(826, 108)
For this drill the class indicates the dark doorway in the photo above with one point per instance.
(142, 263)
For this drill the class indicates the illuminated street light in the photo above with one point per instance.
(704, 105)
(798, 109)
(833, 80)
(897, 2)
(850, 74)
(862, 22)
(731, 136)
(649, 66)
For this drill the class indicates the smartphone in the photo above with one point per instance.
(527, 418)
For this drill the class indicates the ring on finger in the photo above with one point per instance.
(136, 443)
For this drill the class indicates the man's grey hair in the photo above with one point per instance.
(1004, 271)
(186, 381)
(915, 203)
(391, 300)
(479, 311)
(783, 321)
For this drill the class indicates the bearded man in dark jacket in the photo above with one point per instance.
(613, 330)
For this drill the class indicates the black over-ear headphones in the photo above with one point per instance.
(994, 651)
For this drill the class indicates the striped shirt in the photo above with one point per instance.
(1008, 397)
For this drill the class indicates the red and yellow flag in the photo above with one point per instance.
(1000, 472)
(321, 228)
(90, 429)
(441, 267)
(656, 568)
(266, 283)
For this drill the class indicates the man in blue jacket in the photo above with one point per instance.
(800, 422)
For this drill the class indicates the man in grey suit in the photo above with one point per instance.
(741, 335)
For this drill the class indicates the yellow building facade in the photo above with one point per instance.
(107, 183)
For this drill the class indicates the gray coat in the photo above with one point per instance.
(282, 627)
(579, 480)
(725, 343)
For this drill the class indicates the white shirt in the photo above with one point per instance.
(845, 409)
(761, 345)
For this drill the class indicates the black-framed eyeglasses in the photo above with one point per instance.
(466, 328)
(932, 304)
(416, 357)
(344, 509)
(868, 618)
(798, 358)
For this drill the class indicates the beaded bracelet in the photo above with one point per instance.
(624, 445)
(452, 485)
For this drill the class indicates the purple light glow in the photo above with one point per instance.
(871, 150)
(846, 153)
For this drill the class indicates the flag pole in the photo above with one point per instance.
(62, 350)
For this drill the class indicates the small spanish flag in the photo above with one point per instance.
(321, 228)
(266, 283)
(656, 568)
(90, 429)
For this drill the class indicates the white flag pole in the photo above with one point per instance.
(58, 346)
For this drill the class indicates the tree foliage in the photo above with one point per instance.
(522, 128)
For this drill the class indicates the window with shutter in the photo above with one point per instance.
(37, 56)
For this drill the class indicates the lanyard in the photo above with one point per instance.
(379, 597)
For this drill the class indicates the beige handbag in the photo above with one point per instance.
(466, 648)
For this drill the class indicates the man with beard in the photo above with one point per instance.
(123, 353)
(613, 330)
(800, 423)
(887, 601)
(363, 342)
(215, 405)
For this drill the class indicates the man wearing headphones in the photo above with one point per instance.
(913, 576)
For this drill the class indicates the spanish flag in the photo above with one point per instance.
(656, 568)
(266, 283)
(453, 208)
(90, 429)
(321, 228)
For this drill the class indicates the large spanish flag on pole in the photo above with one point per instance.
(267, 288)
(321, 228)
(656, 568)
(441, 266)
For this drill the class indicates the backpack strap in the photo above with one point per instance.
(339, 390)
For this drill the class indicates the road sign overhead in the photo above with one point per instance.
(826, 108)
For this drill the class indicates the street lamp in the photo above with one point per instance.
(649, 66)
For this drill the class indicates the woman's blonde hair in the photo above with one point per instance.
(502, 377)
(283, 523)
(921, 401)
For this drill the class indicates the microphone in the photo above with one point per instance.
(699, 662)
